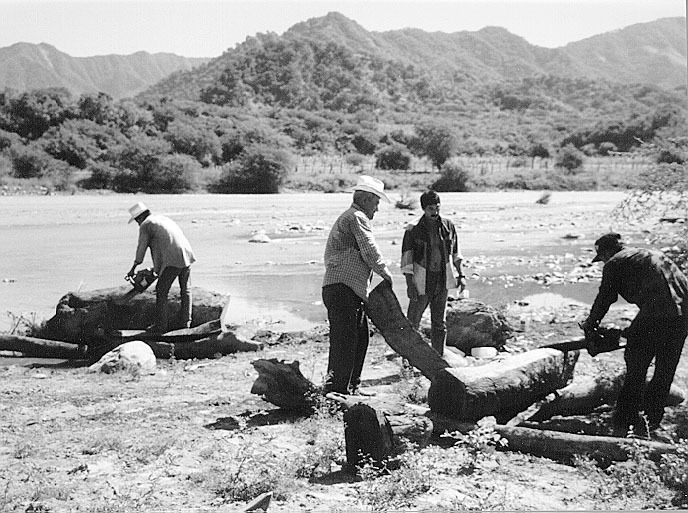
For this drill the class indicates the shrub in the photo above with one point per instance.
(569, 158)
(102, 176)
(393, 157)
(261, 170)
(606, 148)
(173, 174)
(30, 162)
(453, 178)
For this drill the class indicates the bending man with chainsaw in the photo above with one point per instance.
(650, 280)
(172, 258)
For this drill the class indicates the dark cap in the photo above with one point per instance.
(608, 242)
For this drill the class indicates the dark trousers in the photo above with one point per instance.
(165, 280)
(349, 338)
(658, 338)
(436, 297)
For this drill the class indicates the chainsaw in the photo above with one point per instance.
(142, 279)
(596, 340)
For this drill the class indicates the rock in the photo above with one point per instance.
(131, 356)
(471, 323)
(261, 237)
(82, 316)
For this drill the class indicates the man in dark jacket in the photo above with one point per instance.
(431, 261)
(650, 280)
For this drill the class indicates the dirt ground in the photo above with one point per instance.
(192, 436)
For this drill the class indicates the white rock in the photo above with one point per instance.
(135, 355)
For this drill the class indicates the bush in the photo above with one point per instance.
(393, 157)
(30, 162)
(453, 179)
(173, 174)
(260, 170)
(102, 176)
(569, 158)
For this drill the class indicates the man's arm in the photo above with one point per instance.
(141, 248)
(606, 297)
(370, 252)
(407, 264)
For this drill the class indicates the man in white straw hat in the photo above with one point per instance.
(351, 256)
(172, 258)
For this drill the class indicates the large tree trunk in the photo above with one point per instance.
(82, 316)
(501, 388)
(40, 348)
(384, 310)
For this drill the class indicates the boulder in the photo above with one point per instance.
(471, 323)
(81, 317)
(136, 356)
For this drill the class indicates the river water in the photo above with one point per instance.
(55, 244)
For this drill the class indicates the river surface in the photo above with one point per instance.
(55, 244)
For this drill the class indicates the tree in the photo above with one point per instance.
(569, 158)
(436, 142)
(393, 157)
(259, 170)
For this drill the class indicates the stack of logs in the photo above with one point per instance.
(520, 390)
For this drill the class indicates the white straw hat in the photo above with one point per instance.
(370, 184)
(137, 210)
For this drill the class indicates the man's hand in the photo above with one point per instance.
(412, 291)
(461, 283)
(131, 272)
(588, 325)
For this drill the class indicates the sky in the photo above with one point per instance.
(205, 28)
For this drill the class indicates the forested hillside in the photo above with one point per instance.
(328, 87)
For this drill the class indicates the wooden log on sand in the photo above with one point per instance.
(585, 393)
(503, 387)
(376, 433)
(283, 385)
(41, 348)
(384, 310)
(204, 341)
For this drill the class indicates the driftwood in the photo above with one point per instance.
(204, 341)
(472, 323)
(384, 310)
(82, 316)
(503, 387)
(40, 348)
(585, 393)
(283, 385)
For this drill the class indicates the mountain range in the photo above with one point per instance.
(26, 66)
(647, 53)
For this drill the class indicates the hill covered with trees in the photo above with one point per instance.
(327, 86)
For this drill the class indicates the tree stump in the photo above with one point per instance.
(368, 436)
(82, 316)
(283, 385)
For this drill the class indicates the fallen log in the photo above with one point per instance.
(41, 348)
(501, 388)
(376, 433)
(384, 310)
(283, 385)
(181, 344)
(586, 393)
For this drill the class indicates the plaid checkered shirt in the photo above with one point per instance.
(351, 253)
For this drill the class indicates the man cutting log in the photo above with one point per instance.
(172, 258)
(650, 280)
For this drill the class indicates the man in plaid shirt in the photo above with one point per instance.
(351, 257)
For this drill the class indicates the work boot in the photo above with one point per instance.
(438, 339)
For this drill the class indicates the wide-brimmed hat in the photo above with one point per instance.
(370, 184)
(137, 210)
(608, 242)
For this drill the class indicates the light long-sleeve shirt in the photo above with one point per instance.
(169, 247)
(351, 253)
